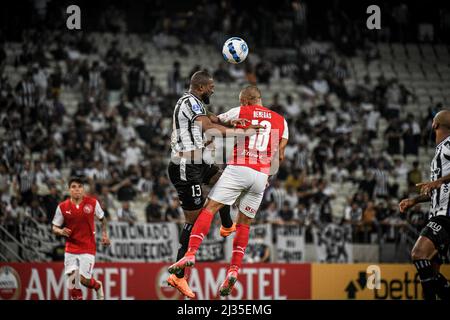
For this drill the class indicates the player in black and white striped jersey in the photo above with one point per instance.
(434, 240)
(188, 170)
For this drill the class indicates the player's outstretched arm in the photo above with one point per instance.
(405, 204)
(206, 124)
(427, 187)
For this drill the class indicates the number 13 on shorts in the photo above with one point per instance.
(196, 190)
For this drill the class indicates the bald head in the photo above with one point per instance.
(250, 96)
(442, 120)
(202, 85)
(200, 79)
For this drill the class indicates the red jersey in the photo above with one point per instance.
(257, 151)
(79, 219)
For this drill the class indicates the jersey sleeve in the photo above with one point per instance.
(231, 114)
(285, 131)
(195, 109)
(58, 219)
(446, 149)
(99, 213)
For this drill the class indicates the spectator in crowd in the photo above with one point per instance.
(175, 80)
(393, 133)
(222, 74)
(125, 214)
(174, 213)
(414, 177)
(153, 210)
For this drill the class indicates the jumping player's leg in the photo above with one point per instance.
(87, 262)
(434, 240)
(190, 217)
(239, 245)
(199, 231)
(442, 285)
(248, 206)
(187, 180)
(422, 253)
(227, 226)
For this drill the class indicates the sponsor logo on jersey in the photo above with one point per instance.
(196, 108)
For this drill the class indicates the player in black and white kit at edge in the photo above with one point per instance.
(432, 245)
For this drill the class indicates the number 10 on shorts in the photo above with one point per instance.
(261, 140)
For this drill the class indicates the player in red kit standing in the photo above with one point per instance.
(74, 219)
(244, 180)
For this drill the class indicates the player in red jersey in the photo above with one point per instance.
(243, 180)
(74, 219)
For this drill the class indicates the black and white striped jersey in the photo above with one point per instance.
(440, 167)
(186, 136)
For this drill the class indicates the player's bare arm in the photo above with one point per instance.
(405, 204)
(105, 239)
(63, 232)
(231, 123)
(283, 144)
(427, 187)
(207, 124)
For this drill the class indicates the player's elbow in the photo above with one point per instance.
(55, 229)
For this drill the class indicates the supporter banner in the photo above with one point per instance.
(358, 281)
(333, 244)
(129, 281)
(290, 244)
(149, 242)
(260, 244)
(214, 247)
(38, 239)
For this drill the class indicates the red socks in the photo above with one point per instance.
(93, 284)
(239, 244)
(200, 230)
(76, 294)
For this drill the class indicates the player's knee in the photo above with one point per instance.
(418, 253)
(243, 219)
(84, 281)
(213, 206)
(71, 280)
(191, 216)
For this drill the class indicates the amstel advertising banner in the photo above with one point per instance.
(142, 281)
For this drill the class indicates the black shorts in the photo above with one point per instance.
(188, 180)
(438, 231)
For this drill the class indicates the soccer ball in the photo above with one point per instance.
(235, 50)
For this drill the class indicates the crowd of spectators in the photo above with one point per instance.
(118, 137)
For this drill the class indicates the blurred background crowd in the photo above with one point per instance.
(98, 103)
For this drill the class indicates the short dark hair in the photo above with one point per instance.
(200, 78)
(79, 180)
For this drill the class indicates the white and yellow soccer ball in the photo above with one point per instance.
(235, 50)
